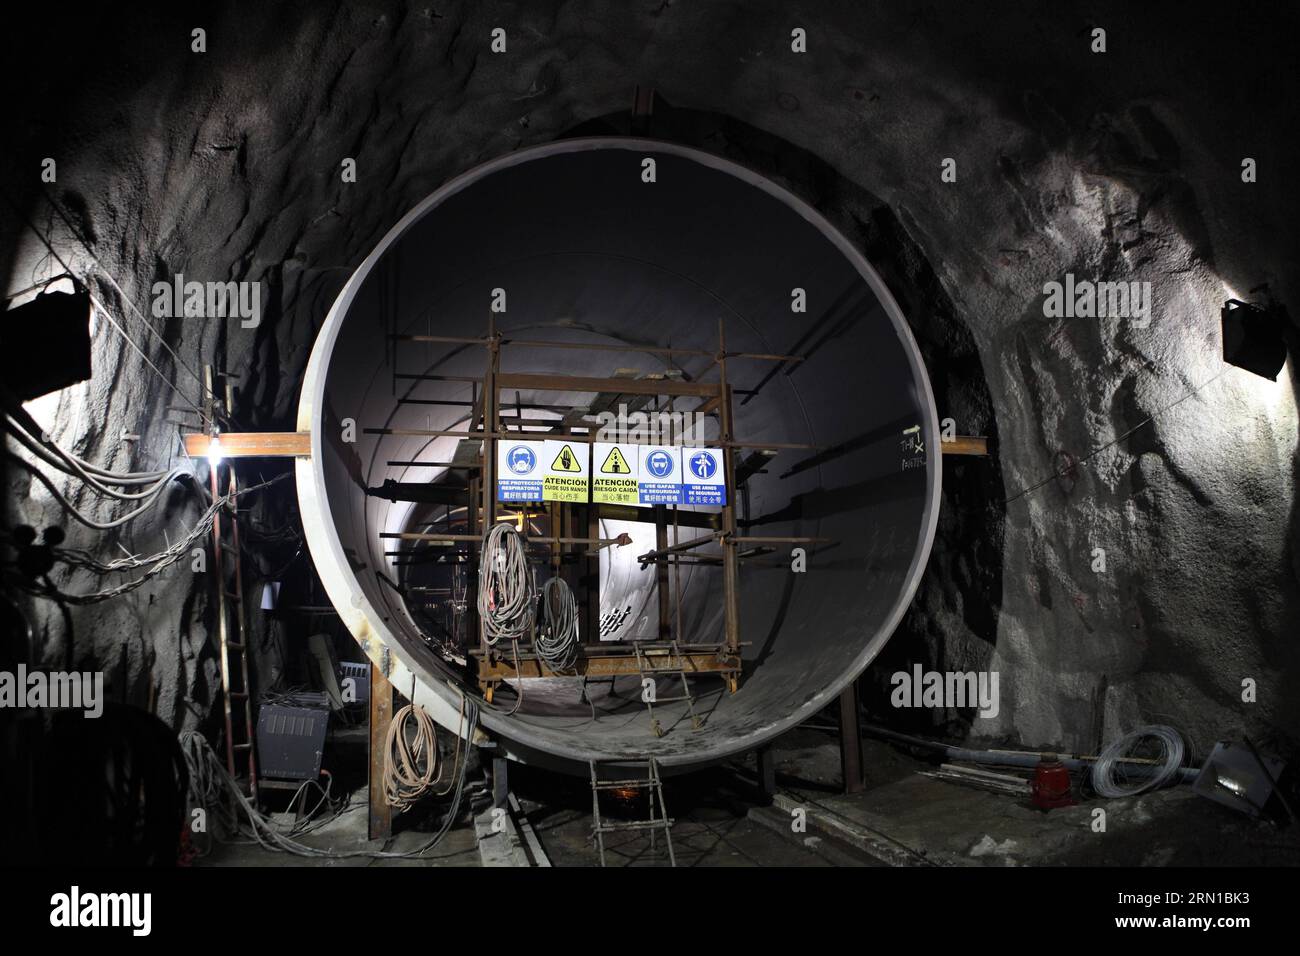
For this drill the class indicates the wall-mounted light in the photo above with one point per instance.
(1254, 337)
(45, 344)
(215, 451)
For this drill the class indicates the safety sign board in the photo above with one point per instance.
(660, 482)
(520, 468)
(566, 476)
(703, 477)
(616, 471)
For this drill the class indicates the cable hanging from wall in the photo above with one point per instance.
(556, 642)
(411, 764)
(505, 585)
(154, 564)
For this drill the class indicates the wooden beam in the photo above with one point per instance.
(687, 519)
(619, 386)
(730, 563)
(491, 392)
(380, 824)
(591, 630)
(661, 572)
(709, 405)
(436, 536)
(251, 444)
(588, 437)
(851, 741)
(495, 668)
(965, 445)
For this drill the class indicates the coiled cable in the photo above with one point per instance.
(505, 585)
(1112, 781)
(410, 766)
(556, 642)
(212, 788)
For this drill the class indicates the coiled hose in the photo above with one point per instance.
(557, 639)
(505, 585)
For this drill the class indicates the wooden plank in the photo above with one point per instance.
(439, 537)
(965, 445)
(591, 629)
(661, 572)
(730, 563)
(491, 392)
(587, 438)
(619, 386)
(502, 666)
(380, 825)
(709, 406)
(251, 444)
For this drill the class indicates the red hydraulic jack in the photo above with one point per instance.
(1051, 786)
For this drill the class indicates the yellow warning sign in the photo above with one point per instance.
(560, 488)
(615, 481)
(566, 479)
(615, 463)
(566, 460)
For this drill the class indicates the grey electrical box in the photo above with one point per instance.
(291, 737)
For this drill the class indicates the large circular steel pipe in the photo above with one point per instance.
(587, 250)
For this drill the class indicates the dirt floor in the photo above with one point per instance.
(903, 818)
(908, 817)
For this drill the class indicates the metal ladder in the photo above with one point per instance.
(236, 683)
(645, 669)
(651, 783)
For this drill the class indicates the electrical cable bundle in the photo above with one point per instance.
(153, 563)
(71, 464)
(1109, 780)
(557, 640)
(505, 585)
(96, 478)
(211, 787)
(405, 780)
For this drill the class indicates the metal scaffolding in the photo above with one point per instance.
(672, 650)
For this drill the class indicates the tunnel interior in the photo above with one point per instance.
(587, 251)
(1106, 544)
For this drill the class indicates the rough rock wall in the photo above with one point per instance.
(225, 164)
